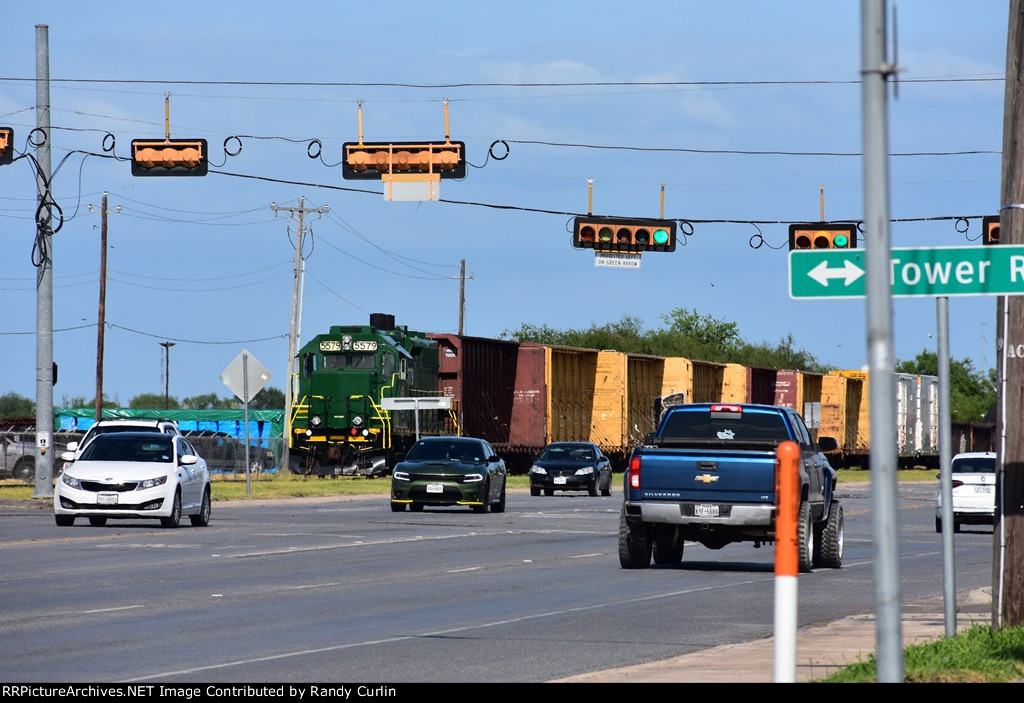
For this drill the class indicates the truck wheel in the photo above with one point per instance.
(25, 469)
(828, 539)
(664, 549)
(805, 539)
(634, 544)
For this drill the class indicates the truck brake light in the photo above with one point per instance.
(634, 472)
(726, 409)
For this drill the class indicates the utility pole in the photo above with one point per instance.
(167, 373)
(299, 214)
(44, 277)
(462, 293)
(102, 313)
(1008, 532)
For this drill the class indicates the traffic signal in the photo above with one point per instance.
(169, 157)
(6, 145)
(990, 229)
(623, 234)
(822, 235)
(364, 160)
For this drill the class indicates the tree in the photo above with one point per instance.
(268, 399)
(153, 401)
(208, 401)
(783, 355)
(972, 395)
(80, 401)
(14, 405)
(688, 334)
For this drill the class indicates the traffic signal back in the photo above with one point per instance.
(622, 234)
(990, 229)
(169, 157)
(373, 160)
(822, 235)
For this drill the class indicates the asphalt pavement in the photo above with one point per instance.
(820, 649)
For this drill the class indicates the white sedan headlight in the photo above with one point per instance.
(70, 480)
(152, 482)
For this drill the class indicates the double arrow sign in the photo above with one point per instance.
(939, 271)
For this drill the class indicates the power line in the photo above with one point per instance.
(433, 86)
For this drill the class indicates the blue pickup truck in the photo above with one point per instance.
(707, 475)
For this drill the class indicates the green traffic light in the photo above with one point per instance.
(661, 236)
(841, 241)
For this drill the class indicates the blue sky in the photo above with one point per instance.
(737, 96)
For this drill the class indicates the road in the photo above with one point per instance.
(335, 590)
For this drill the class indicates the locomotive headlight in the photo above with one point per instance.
(357, 421)
(315, 421)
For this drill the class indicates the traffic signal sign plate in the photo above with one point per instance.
(624, 234)
(169, 157)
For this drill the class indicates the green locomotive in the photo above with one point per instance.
(338, 425)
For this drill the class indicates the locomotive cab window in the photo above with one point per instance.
(387, 365)
(366, 362)
(350, 361)
(308, 364)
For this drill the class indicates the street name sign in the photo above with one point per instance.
(442, 402)
(920, 272)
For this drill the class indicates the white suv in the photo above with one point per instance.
(122, 425)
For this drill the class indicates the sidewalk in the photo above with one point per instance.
(820, 650)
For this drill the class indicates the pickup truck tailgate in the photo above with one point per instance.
(721, 476)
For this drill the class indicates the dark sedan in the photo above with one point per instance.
(442, 471)
(571, 466)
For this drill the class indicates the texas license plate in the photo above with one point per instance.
(983, 489)
(560, 480)
(106, 498)
(705, 510)
(435, 488)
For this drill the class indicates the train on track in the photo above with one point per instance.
(521, 396)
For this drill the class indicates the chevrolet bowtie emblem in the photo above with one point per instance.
(705, 478)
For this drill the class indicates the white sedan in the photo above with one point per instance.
(132, 475)
(973, 477)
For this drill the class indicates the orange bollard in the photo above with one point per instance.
(787, 510)
(787, 566)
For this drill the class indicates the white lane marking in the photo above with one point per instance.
(108, 610)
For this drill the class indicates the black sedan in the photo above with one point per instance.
(571, 466)
(442, 471)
